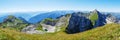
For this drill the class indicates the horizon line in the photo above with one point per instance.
(56, 10)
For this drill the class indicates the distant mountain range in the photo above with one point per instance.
(74, 22)
(25, 15)
(35, 17)
(53, 15)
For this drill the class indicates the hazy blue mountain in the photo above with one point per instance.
(117, 15)
(21, 15)
(21, 18)
(2, 18)
(35, 17)
(53, 15)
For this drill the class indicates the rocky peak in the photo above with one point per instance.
(95, 11)
(78, 23)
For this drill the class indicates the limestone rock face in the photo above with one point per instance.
(78, 23)
(31, 29)
(111, 19)
(48, 28)
(84, 21)
(54, 25)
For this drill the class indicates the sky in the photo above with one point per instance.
(7, 6)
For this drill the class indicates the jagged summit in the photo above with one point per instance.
(78, 23)
(95, 11)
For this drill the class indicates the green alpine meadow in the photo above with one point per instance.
(59, 20)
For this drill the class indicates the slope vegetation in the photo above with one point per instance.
(107, 32)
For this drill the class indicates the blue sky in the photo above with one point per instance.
(51, 5)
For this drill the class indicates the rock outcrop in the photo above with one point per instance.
(78, 23)
(31, 29)
(13, 22)
(48, 28)
(54, 25)
(111, 19)
(81, 21)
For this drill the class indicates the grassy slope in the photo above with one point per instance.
(107, 32)
(93, 17)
